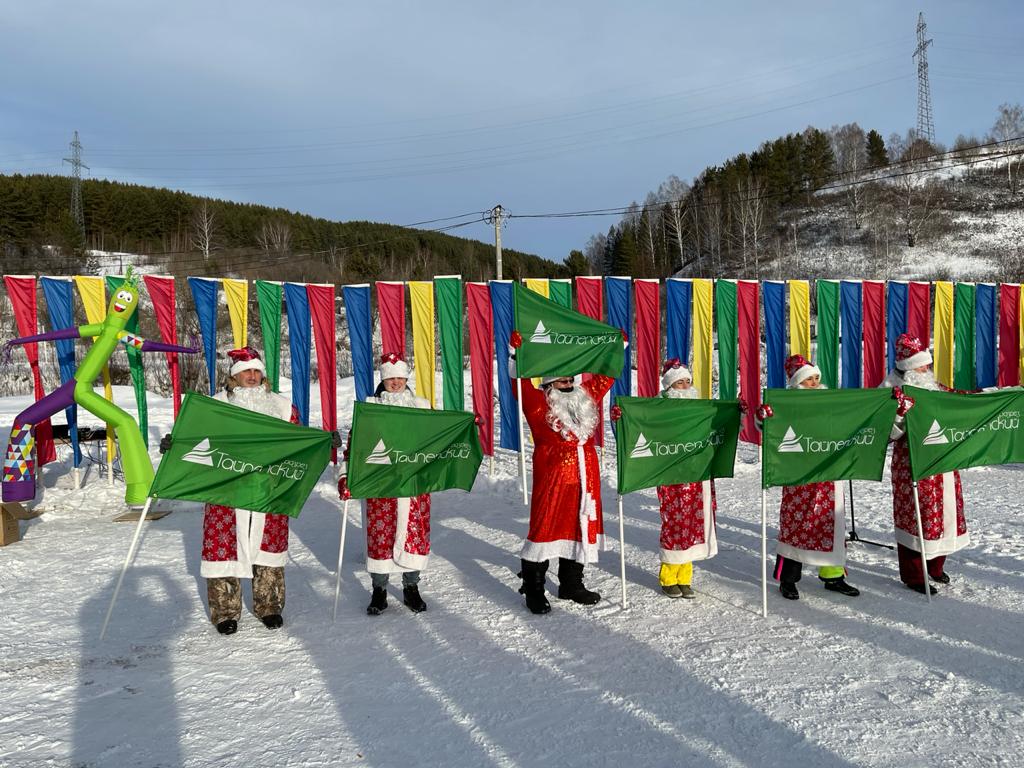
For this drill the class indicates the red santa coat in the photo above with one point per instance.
(264, 539)
(565, 505)
(397, 530)
(812, 524)
(942, 507)
(688, 522)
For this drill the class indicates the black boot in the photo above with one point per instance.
(411, 597)
(839, 585)
(920, 588)
(570, 583)
(378, 601)
(227, 627)
(272, 621)
(788, 590)
(532, 575)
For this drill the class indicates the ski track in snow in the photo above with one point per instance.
(884, 679)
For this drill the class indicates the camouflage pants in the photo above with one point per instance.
(225, 594)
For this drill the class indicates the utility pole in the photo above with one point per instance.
(77, 214)
(925, 125)
(497, 217)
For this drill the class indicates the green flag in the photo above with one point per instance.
(947, 431)
(268, 297)
(408, 451)
(664, 441)
(817, 435)
(558, 341)
(448, 299)
(223, 454)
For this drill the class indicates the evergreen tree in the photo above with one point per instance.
(577, 263)
(878, 155)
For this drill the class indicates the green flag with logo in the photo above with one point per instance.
(816, 435)
(558, 341)
(947, 431)
(398, 452)
(223, 454)
(663, 441)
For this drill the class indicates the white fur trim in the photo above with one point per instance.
(248, 537)
(672, 375)
(539, 551)
(396, 370)
(703, 551)
(838, 554)
(248, 365)
(949, 542)
(803, 373)
(924, 357)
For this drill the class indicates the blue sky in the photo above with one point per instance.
(408, 111)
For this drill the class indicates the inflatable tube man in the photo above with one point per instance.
(19, 482)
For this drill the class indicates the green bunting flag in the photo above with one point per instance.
(662, 441)
(558, 341)
(816, 435)
(223, 454)
(947, 431)
(398, 452)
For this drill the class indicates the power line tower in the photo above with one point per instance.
(497, 216)
(925, 125)
(77, 165)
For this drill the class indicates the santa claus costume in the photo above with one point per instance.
(239, 543)
(940, 496)
(565, 504)
(687, 509)
(397, 529)
(812, 517)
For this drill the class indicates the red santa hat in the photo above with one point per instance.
(246, 359)
(911, 353)
(672, 371)
(798, 368)
(392, 366)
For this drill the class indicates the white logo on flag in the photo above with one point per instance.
(540, 334)
(380, 454)
(790, 442)
(201, 454)
(936, 435)
(641, 449)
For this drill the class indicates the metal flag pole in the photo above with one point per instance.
(622, 554)
(920, 541)
(764, 531)
(127, 562)
(853, 536)
(341, 553)
(522, 442)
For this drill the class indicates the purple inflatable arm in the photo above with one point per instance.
(58, 335)
(159, 346)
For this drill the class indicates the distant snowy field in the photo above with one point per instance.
(884, 679)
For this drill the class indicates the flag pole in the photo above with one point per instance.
(764, 532)
(622, 554)
(522, 442)
(920, 540)
(341, 552)
(127, 562)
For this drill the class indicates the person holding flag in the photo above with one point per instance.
(238, 543)
(565, 504)
(940, 497)
(398, 529)
(810, 530)
(687, 509)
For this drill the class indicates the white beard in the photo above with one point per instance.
(405, 398)
(254, 399)
(681, 394)
(572, 413)
(924, 380)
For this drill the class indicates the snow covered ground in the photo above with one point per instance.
(883, 679)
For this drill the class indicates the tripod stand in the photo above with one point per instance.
(853, 536)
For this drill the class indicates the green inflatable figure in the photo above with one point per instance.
(19, 482)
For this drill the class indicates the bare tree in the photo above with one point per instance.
(594, 251)
(850, 149)
(204, 229)
(674, 192)
(275, 238)
(916, 193)
(1009, 128)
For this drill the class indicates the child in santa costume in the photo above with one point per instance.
(812, 518)
(940, 496)
(397, 530)
(565, 503)
(687, 509)
(238, 543)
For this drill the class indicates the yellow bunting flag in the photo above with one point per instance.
(799, 318)
(94, 299)
(237, 294)
(539, 285)
(944, 333)
(421, 296)
(703, 347)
